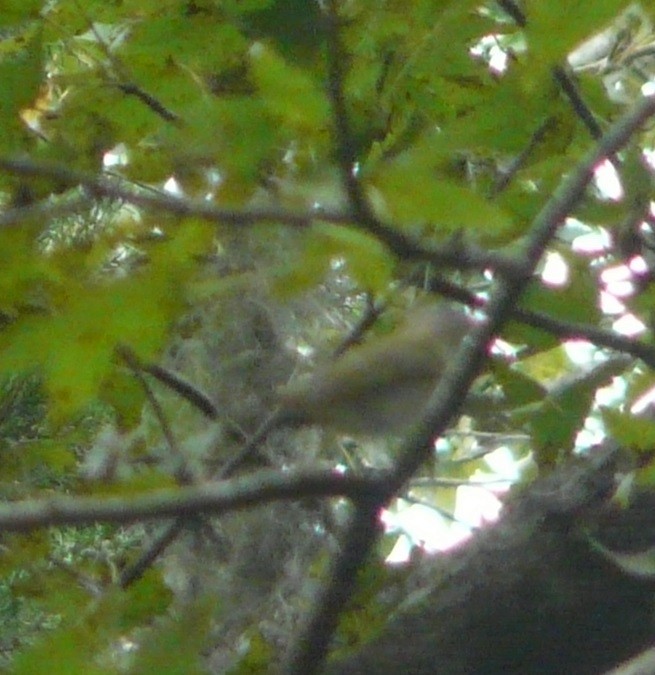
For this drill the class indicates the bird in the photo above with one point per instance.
(379, 388)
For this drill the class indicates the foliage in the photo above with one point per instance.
(235, 106)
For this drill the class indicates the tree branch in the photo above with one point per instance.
(344, 138)
(559, 327)
(309, 652)
(211, 498)
(454, 385)
(454, 254)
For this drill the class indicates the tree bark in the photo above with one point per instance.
(531, 594)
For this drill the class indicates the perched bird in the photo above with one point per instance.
(375, 389)
(382, 386)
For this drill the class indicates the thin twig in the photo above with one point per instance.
(581, 109)
(507, 175)
(250, 450)
(561, 77)
(560, 327)
(597, 336)
(120, 76)
(131, 89)
(180, 386)
(514, 11)
(344, 139)
(181, 473)
(429, 504)
(155, 548)
(370, 316)
(457, 482)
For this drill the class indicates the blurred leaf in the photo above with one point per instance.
(67, 651)
(174, 646)
(235, 134)
(41, 454)
(575, 301)
(630, 431)
(18, 11)
(288, 92)
(545, 366)
(76, 347)
(366, 260)
(556, 424)
(637, 180)
(414, 196)
(518, 388)
(124, 609)
(257, 659)
(124, 393)
(294, 26)
(146, 480)
(21, 74)
(524, 100)
(554, 28)
(24, 550)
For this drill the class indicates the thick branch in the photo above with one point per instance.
(529, 594)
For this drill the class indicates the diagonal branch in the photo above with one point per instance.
(560, 327)
(313, 642)
(505, 297)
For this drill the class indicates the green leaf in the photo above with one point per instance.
(175, 646)
(76, 346)
(21, 74)
(413, 196)
(293, 26)
(124, 609)
(257, 659)
(519, 388)
(637, 180)
(556, 424)
(576, 301)
(40, 455)
(630, 431)
(524, 99)
(236, 134)
(366, 260)
(19, 11)
(554, 28)
(67, 651)
(288, 92)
